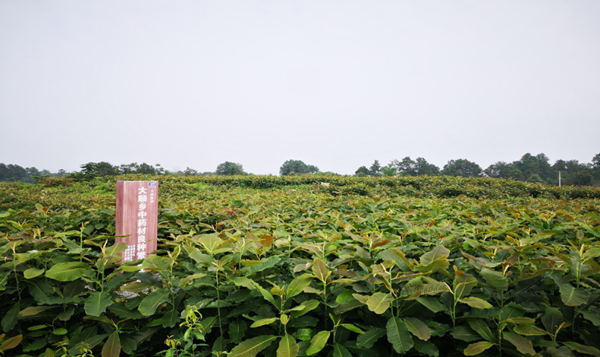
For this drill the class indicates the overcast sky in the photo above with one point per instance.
(336, 84)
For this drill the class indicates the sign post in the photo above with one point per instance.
(137, 218)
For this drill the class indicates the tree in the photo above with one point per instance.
(389, 170)
(504, 170)
(463, 168)
(409, 167)
(538, 164)
(362, 172)
(230, 168)
(296, 167)
(375, 169)
(97, 169)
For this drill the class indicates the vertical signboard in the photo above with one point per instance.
(137, 217)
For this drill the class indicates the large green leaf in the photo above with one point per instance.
(320, 270)
(552, 319)
(11, 343)
(151, 302)
(398, 335)
(589, 350)
(418, 328)
(297, 286)
(97, 303)
(252, 346)
(438, 253)
(463, 284)
(523, 344)
(263, 322)
(477, 347)
(529, 330)
(288, 347)
(271, 262)
(476, 302)
(370, 336)
(464, 333)
(67, 271)
(156, 263)
(237, 330)
(340, 351)
(112, 347)
(318, 342)
(482, 329)
(33, 272)
(494, 278)
(9, 321)
(571, 296)
(426, 348)
(379, 302)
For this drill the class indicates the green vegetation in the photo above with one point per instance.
(322, 265)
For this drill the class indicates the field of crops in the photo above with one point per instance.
(304, 266)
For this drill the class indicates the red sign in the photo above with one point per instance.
(137, 217)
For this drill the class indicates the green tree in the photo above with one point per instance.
(409, 167)
(296, 167)
(504, 170)
(230, 168)
(362, 172)
(375, 169)
(463, 168)
(389, 170)
(98, 169)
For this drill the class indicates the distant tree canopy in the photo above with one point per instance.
(296, 167)
(230, 168)
(532, 168)
(462, 168)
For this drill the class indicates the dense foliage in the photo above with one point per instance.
(291, 266)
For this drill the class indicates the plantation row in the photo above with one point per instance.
(302, 269)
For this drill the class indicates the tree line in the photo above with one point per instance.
(531, 168)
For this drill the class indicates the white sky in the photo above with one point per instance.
(336, 84)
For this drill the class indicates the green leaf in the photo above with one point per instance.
(464, 333)
(40, 290)
(320, 270)
(73, 289)
(33, 272)
(426, 348)
(271, 262)
(66, 315)
(156, 263)
(582, 348)
(370, 336)
(263, 322)
(237, 330)
(297, 286)
(252, 346)
(591, 316)
(34, 310)
(266, 294)
(529, 330)
(151, 302)
(418, 328)
(352, 328)
(288, 347)
(308, 306)
(463, 284)
(340, 351)
(477, 347)
(9, 321)
(112, 347)
(438, 253)
(571, 296)
(11, 343)
(523, 344)
(379, 302)
(318, 342)
(431, 303)
(67, 271)
(482, 329)
(476, 302)
(494, 279)
(398, 335)
(97, 303)
(551, 319)
(116, 249)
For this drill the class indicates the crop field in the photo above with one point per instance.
(304, 266)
